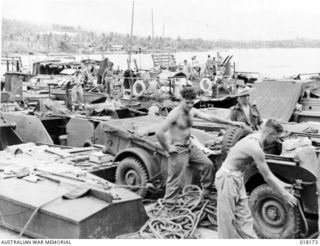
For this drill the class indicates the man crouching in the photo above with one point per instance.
(233, 212)
(174, 136)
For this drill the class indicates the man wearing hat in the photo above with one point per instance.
(246, 112)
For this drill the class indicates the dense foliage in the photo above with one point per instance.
(22, 37)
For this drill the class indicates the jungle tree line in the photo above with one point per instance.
(22, 37)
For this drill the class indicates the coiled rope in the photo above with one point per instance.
(180, 220)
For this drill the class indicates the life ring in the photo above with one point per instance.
(135, 90)
(205, 84)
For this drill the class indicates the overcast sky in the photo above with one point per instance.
(207, 19)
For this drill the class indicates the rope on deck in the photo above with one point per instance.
(180, 220)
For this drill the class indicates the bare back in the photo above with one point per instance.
(243, 153)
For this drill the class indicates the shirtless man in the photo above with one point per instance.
(234, 215)
(174, 137)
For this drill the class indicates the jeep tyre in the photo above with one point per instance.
(273, 216)
(132, 172)
(231, 137)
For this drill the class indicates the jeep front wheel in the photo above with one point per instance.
(273, 216)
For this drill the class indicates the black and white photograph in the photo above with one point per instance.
(159, 119)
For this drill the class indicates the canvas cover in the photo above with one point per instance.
(276, 99)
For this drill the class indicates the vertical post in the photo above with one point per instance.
(153, 45)
(130, 49)
(163, 31)
(235, 79)
(130, 52)
(140, 57)
(0, 104)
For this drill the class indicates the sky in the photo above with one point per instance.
(206, 19)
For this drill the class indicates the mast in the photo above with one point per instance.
(154, 50)
(130, 53)
(163, 31)
(130, 49)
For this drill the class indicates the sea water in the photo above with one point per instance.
(269, 62)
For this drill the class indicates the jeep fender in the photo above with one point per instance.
(151, 163)
(288, 173)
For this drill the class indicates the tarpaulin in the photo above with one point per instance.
(276, 99)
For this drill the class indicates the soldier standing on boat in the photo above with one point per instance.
(87, 76)
(153, 88)
(108, 78)
(195, 66)
(77, 91)
(209, 66)
(186, 69)
(174, 135)
(214, 66)
(246, 112)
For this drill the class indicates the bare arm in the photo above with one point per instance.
(164, 127)
(269, 177)
(216, 119)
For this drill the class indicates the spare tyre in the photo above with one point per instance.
(233, 135)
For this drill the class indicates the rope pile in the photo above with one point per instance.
(180, 220)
